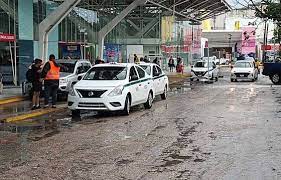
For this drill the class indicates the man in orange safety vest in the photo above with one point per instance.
(51, 76)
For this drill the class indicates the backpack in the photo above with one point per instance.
(29, 75)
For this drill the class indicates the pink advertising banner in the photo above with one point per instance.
(248, 40)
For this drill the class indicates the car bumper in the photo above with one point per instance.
(98, 104)
(205, 77)
(250, 77)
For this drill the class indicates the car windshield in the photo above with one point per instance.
(203, 64)
(106, 73)
(147, 69)
(243, 65)
(67, 67)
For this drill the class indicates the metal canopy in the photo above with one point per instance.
(194, 10)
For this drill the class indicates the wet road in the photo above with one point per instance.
(211, 131)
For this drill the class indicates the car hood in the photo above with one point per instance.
(90, 84)
(200, 69)
(242, 70)
(64, 74)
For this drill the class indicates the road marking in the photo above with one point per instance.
(31, 115)
(11, 100)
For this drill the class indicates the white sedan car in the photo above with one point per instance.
(244, 70)
(160, 80)
(204, 70)
(112, 87)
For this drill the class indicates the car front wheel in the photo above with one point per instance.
(164, 95)
(149, 101)
(127, 107)
(75, 113)
(275, 78)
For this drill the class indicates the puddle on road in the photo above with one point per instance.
(180, 88)
(15, 137)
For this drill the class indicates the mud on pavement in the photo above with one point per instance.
(207, 131)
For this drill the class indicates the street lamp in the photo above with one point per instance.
(229, 41)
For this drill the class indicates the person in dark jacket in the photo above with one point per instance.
(51, 75)
(36, 83)
(1, 83)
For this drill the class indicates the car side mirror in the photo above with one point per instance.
(79, 78)
(231, 67)
(134, 78)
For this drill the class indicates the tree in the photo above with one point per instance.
(270, 10)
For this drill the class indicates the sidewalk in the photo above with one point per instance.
(11, 94)
(175, 77)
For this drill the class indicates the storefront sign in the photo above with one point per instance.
(248, 40)
(7, 37)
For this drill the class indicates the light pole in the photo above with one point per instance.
(229, 42)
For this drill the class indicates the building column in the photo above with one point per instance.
(25, 42)
(107, 28)
(51, 22)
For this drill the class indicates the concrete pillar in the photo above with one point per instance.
(107, 28)
(25, 42)
(53, 47)
(50, 22)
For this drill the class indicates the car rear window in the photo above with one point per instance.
(243, 65)
(67, 67)
(106, 73)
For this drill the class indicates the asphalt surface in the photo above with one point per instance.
(221, 130)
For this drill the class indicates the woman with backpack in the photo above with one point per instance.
(36, 83)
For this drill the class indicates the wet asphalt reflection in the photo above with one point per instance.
(216, 130)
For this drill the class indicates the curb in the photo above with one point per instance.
(12, 100)
(31, 114)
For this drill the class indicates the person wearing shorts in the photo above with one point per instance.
(36, 83)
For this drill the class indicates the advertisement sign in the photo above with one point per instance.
(7, 37)
(112, 51)
(72, 51)
(248, 40)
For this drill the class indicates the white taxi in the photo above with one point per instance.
(112, 87)
(204, 70)
(160, 79)
(244, 69)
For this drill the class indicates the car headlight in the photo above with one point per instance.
(63, 81)
(72, 92)
(117, 91)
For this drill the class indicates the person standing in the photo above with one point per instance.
(51, 75)
(136, 59)
(171, 64)
(36, 83)
(146, 59)
(1, 83)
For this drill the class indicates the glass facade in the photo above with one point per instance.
(76, 35)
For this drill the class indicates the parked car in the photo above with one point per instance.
(160, 80)
(273, 70)
(204, 70)
(74, 69)
(70, 73)
(244, 69)
(112, 87)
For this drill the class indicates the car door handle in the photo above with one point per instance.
(139, 84)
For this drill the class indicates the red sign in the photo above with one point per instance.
(267, 47)
(7, 37)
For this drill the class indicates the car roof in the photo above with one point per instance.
(115, 65)
(249, 61)
(71, 61)
(146, 64)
